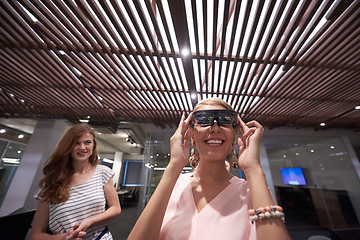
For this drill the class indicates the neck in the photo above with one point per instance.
(82, 167)
(212, 171)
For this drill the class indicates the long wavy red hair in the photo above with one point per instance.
(58, 170)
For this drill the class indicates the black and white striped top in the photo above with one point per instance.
(86, 200)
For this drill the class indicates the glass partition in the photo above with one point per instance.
(328, 197)
(11, 154)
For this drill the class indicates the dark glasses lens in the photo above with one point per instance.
(207, 118)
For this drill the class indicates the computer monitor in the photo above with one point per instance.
(293, 176)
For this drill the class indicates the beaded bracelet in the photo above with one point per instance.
(266, 213)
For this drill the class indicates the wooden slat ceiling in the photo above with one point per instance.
(284, 63)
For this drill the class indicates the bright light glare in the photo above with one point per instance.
(185, 52)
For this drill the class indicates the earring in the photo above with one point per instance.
(194, 156)
(232, 159)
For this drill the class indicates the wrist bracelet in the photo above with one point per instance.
(266, 213)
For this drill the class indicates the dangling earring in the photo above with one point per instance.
(194, 156)
(232, 159)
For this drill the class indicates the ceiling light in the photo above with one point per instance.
(159, 169)
(84, 120)
(2, 130)
(357, 107)
(19, 151)
(185, 52)
(130, 139)
(11, 160)
(193, 95)
(322, 124)
(108, 160)
(21, 136)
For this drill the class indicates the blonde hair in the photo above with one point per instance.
(213, 101)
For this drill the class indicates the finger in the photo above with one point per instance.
(242, 129)
(249, 132)
(186, 123)
(75, 233)
(255, 127)
(241, 145)
(187, 138)
(181, 123)
(254, 123)
(81, 234)
(76, 225)
(240, 141)
(242, 126)
(188, 119)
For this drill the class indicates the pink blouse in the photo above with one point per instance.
(224, 217)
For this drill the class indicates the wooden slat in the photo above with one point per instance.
(299, 74)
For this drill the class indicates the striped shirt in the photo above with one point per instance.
(86, 200)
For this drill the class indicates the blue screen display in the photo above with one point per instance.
(293, 176)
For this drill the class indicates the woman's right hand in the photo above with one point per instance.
(74, 233)
(180, 143)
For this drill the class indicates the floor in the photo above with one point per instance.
(121, 226)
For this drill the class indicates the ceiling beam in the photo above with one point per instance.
(178, 14)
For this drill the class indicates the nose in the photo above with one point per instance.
(215, 127)
(82, 146)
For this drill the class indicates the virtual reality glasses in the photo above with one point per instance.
(205, 118)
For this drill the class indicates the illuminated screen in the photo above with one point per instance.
(293, 176)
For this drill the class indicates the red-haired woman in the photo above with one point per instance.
(75, 190)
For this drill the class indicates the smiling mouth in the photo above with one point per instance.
(212, 141)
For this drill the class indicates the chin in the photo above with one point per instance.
(213, 156)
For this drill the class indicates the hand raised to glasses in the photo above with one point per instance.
(180, 150)
(248, 142)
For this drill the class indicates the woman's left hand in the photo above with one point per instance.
(78, 231)
(248, 142)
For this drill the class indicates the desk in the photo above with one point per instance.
(123, 191)
(121, 194)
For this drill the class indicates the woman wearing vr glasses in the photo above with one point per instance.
(211, 203)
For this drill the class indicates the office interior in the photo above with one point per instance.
(130, 69)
